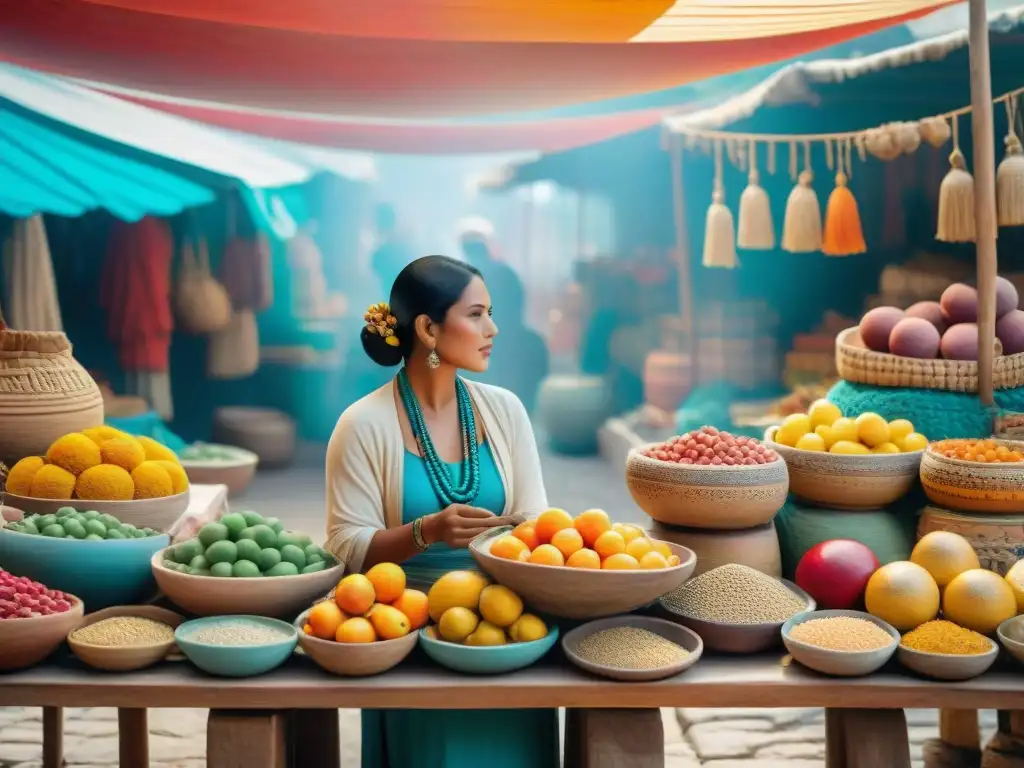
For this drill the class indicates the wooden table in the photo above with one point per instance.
(610, 724)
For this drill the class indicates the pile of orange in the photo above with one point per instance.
(370, 607)
(590, 540)
(985, 451)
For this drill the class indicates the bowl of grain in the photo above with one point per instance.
(736, 609)
(633, 648)
(236, 646)
(1011, 636)
(839, 642)
(944, 651)
(125, 638)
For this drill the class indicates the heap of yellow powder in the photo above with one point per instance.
(940, 636)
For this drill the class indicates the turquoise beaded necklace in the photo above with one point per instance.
(438, 472)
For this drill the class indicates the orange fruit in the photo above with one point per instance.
(662, 548)
(388, 581)
(354, 594)
(389, 622)
(639, 547)
(673, 561)
(551, 522)
(610, 543)
(567, 541)
(509, 548)
(413, 604)
(527, 533)
(546, 554)
(592, 524)
(653, 561)
(307, 629)
(620, 562)
(356, 630)
(324, 619)
(584, 558)
(627, 532)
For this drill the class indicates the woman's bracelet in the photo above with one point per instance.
(417, 535)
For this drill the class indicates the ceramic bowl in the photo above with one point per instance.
(120, 658)
(236, 660)
(1011, 636)
(580, 593)
(839, 663)
(948, 666)
(839, 481)
(971, 486)
(158, 514)
(236, 473)
(102, 573)
(679, 635)
(275, 597)
(719, 497)
(737, 638)
(355, 659)
(26, 642)
(486, 660)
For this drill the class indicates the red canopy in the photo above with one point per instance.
(419, 58)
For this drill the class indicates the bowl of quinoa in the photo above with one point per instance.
(839, 642)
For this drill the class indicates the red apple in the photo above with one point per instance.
(836, 572)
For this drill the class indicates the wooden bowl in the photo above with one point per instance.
(235, 473)
(355, 659)
(273, 597)
(26, 642)
(674, 632)
(1010, 634)
(971, 486)
(737, 638)
(719, 497)
(839, 481)
(839, 663)
(158, 514)
(948, 666)
(119, 658)
(579, 593)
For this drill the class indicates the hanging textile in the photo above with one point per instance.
(309, 286)
(246, 275)
(31, 301)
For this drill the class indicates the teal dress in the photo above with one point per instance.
(446, 738)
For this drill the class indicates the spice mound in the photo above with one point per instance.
(841, 633)
(238, 633)
(629, 648)
(124, 632)
(735, 594)
(946, 637)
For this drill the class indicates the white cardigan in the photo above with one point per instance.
(366, 454)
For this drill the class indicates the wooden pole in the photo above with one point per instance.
(983, 138)
(683, 254)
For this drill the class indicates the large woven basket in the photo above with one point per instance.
(855, 362)
(44, 393)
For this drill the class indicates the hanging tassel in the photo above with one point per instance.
(1010, 174)
(719, 232)
(801, 229)
(843, 233)
(956, 198)
(756, 231)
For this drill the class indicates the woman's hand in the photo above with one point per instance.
(459, 524)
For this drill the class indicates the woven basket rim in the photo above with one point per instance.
(998, 465)
(637, 454)
(45, 342)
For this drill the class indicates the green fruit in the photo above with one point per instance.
(199, 563)
(45, 521)
(221, 570)
(222, 552)
(138, 533)
(90, 514)
(268, 558)
(95, 527)
(74, 528)
(314, 567)
(264, 536)
(127, 528)
(253, 518)
(290, 537)
(199, 571)
(247, 550)
(276, 524)
(283, 569)
(114, 533)
(110, 521)
(54, 531)
(313, 558)
(313, 549)
(212, 532)
(28, 526)
(93, 537)
(68, 536)
(292, 554)
(235, 524)
(245, 569)
(64, 512)
(185, 552)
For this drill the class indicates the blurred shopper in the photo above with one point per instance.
(392, 252)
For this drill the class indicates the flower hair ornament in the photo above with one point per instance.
(380, 321)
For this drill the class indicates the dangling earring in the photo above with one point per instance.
(433, 360)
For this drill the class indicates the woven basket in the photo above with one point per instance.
(857, 363)
(971, 486)
(44, 393)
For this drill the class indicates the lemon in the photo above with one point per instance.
(823, 413)
(1015, 578)
(486, 634)
(826, 434)
(872, 429)
(845, 429)
(792, 429)
(849, 448)
(944, 555)
(886, 448)
(527, 628)
(455, 589)
(457, 624)
(500, 606)
(812, 441)
(915, 441)
(903, 594)
(979, 600)
(898, 429)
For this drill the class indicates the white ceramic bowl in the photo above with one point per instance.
(158, 514)
(680, 635)
(948, 666)
(839, 663)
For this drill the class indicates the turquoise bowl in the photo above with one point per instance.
(101, 573)
(236, 660)
(489, 659)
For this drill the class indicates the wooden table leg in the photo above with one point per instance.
(245, 739)
(959, 742)
(133, 738)
(866, 738)
(614, 738)
(1006, 748)
(53, 737)
(315, 739)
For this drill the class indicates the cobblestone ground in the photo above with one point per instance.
(694, 738)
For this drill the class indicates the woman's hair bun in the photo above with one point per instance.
(380, 351)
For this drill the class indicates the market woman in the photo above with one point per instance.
(415, 471)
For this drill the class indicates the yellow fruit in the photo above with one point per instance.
(584, 558)
(793, 427)
(356, 630)
(152, 481)
(915, 441)
(52, 482)
(431, 632)
(74, 453)
(849, 448)
(388, 622)
(457, 624)
(105, 482)
(979, 600)
(500, 605)
(413, 604)
(19, 479)
(101, 434)
(179, 480)
(944, 555)
(899, 429)
(823, 413)
(527, 533)
(156, 451)
(620, 562)
(610, 543)
(673, 561)
(388, 582)
(547, 554)
(567, 541)
(872, 429)
(812, 441)
(639, 547)
(324, 619)
(592, 524)
(1015, 578)
(903, 594)
(527, 629)
(662, 548)
(124, 452)
(886, 448)
(486, 634)
(653, 561)
(844, 430)
(627, 531)
(354, 594)
(826, 435)
(456, 589)
(550, 522)
(306, 629)
(509, 548)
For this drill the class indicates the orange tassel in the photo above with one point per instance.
(843, 233)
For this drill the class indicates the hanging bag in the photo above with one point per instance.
(200, 302)
(234, 351)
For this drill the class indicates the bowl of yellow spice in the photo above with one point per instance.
(943, 650)
(125, 638)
